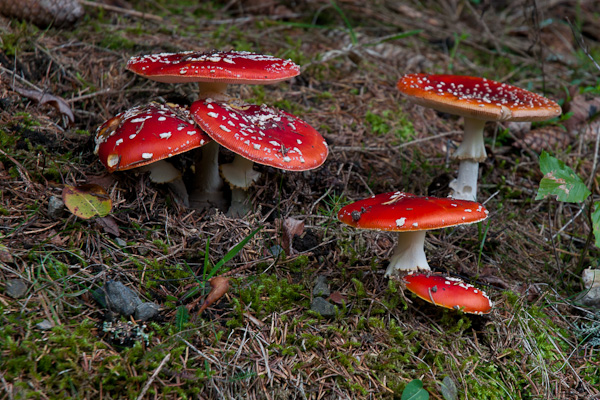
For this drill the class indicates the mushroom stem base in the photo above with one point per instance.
(240, 203)
(208, 183)
(464, 187)
(409, 254)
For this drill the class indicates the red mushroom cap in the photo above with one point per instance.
(478, 98)
(400, 212)
(448, 292)
(217, 66)
(146, 134)
(261, 134)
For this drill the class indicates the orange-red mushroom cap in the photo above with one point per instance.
(478, 98)
(400, 212)
(241, 67)
(448, 292)
(262, 134)
(146, 134)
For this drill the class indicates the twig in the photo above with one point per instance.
(490, 35)
(20, 79)
(121, 10)
(426, 139)
(89, 95)
(7, 387)
(156, 371)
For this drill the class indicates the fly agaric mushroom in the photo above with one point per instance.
(213, 71)
(411, 216)
(448, 292)
(477, 100)
(258, 134)
(144, 136)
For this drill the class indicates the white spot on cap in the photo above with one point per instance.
(147, 156)
(112, 160)
(165, 135)
(401, 221)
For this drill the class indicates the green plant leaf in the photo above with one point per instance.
(596, 222)
(87, 201)
(231, 253)
(181, 317)
(559, 180)
(414, 391)
(448, 389)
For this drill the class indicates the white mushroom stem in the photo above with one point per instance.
(409, 254)
(207, 176)
(164, 172)
(207, 180)
(215, 90)
(240, 173)
(240, 176)
(464, 187)
(470, 153)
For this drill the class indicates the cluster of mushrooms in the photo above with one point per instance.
(144, 136)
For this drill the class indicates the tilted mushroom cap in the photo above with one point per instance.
(223, 66)
(401, 212)
(146, 134)
(261, 134)
(478, 98)
(448, 292)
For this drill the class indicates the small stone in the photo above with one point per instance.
(590, 277)
(120, 242)
(323, 307)
(56, 207)
(146, 311)
(121, 299)
(321, 288)
(45, 325)
(276, 250)
(590, 298)
(15, 288)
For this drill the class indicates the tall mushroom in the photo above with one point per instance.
(258, 134)
(143, 136)
(213, 71)
(411, 216)
(477, 100)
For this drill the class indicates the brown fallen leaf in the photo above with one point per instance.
(291, 227)
(337, 298)
(220, 286)
(5, 255)
(583, 109)
(109, 225)
(59, 104)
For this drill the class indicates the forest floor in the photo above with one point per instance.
(261, 340)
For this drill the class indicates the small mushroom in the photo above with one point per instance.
(448, 292)
(144, 136)
(258, 134)
(477, 100)
(411, 216)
